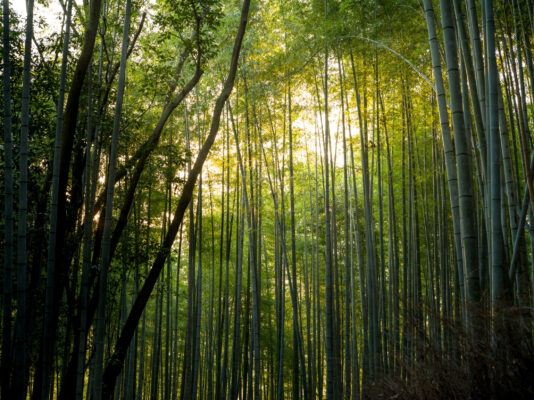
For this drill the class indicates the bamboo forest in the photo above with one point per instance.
(267, 199)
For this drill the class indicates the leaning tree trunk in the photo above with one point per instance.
(116, 361)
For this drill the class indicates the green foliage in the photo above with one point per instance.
(179, 19)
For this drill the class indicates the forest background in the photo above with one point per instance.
(267, 199)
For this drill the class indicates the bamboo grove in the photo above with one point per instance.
(222, 199)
